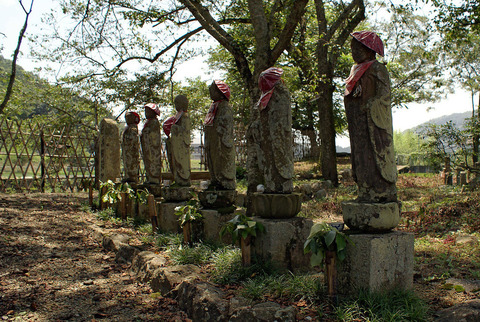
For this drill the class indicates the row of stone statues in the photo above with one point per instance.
(367, 106)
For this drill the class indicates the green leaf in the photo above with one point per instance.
(306, 246)
(316, 259)
(251, 223)
(341, 242)
(330, 237)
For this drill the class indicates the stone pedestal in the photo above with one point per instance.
(175, 194)
(371, 217)
(167, 220)
(282, 243)
(213, 221)
(216, 199)
(377, 262)
(276, 206)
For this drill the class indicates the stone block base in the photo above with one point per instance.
(282, 243)
(377, 262)
(213, 221)
(371, 217)
(175, 194)
(167, 220)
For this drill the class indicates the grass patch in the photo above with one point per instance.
(392, 306)
(290, 287)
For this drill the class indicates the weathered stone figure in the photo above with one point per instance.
(177, 128)
(151, 141)
(369, 116)
(131, 148)
(219, 145)
(275, 158)
(108, 151)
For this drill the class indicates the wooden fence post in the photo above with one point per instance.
(152, 211)
(42, 162)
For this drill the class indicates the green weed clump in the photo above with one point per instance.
(308, 287)
(227, 267)
(393, 306)
(198, 254)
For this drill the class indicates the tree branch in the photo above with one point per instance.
(9, 91)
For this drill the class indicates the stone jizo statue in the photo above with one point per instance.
(151, 141)
(219, 143)
(275, 158)
(178, 128)
(369, 116)
(131, 148)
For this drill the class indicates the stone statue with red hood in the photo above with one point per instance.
(151, 140)
(369, 116)
(219, 149)
(219, 145)
(178, 128)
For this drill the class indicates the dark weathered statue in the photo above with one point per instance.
(177, 128)
(219, 143)
(131, 148)
(151, 140)
(369, 116)
(275, 158)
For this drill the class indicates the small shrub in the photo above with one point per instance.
(168, 240)
(106, 214)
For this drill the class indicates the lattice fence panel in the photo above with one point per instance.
(40, 157)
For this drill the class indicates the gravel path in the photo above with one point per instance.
(52, 269)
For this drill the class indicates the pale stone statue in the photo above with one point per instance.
(275, 159)
(272, 149)
(177, 128)
(108, 151)
(369, 116)
(131, 148)
(151, 141)
(219, 143)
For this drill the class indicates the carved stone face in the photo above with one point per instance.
(131, 118)
(360, 52)
(149, 114)
(181, 103)
(215, 93)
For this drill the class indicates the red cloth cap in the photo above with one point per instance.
(369, 39)
(153, 107)
(266, 82)
(223, 87)
(136, 116)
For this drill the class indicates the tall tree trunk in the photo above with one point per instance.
(328, 155)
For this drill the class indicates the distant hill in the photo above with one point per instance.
(457, 118)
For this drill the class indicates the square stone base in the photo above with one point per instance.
(213, 221)
(282, 243)
(166, 218)
(377, 262)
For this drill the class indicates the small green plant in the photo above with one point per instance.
(241, 226)
(188, 213)
(323, 238)
(106, 214)
(113, 192)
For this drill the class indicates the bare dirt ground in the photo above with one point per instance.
(52, 269)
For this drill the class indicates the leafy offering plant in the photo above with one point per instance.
(186, 215)
(242, 228)
(326, 244)
(324, 238)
